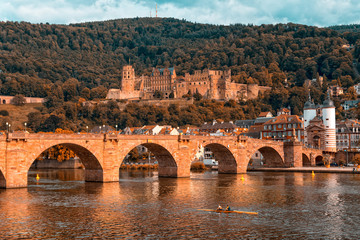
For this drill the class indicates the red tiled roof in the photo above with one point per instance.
(284, 119)
(264, 114)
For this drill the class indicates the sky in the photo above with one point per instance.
(320, 13)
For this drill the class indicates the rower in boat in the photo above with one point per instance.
(219, 208)
(227, 208)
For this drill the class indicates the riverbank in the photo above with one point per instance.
(307, 169)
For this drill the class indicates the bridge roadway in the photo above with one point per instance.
(102, 154)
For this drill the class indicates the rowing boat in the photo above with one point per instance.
(225, 211)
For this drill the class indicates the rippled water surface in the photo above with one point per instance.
(142, 206)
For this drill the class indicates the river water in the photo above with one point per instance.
(142, 206)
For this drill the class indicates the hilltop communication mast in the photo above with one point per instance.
(156, 10)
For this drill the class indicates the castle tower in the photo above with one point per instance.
(329, 120)
(128, 79)
(309, 114)
(227, 85)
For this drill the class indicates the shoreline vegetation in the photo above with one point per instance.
(196, 166)
(134, 166)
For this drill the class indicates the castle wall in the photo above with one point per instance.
(8, 99)
(118, 94)
(237, 91)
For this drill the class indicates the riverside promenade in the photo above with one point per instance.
(307, 169)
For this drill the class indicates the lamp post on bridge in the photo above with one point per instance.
(9, 127)
(87, 130)
(104, 128)
(25, 126)
(116, 128)
(347, 156)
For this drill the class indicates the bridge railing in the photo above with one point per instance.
(17, 136)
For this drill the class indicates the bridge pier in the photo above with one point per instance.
(312, 160)
(293, 154)
(111, 174)
(16, 179)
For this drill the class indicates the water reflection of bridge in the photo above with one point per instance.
(102, 154)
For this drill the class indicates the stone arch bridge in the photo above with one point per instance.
(102, 154)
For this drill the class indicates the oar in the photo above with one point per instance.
(243, 212)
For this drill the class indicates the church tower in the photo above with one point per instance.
(128, 79)
(329, 120)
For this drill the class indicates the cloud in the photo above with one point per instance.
(309, 12)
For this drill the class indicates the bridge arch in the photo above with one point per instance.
(93, 168)
(306, 160)
(226, 160)
(2, 180)
(271, 157)
(319, 160)
(167, 165)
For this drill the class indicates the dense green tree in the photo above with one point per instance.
(18, 100)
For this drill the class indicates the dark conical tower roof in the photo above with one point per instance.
(309, 104)
(328, 102)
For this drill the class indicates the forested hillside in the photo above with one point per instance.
(72, 63)
(346, 28)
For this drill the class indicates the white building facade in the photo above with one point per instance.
(324, 132)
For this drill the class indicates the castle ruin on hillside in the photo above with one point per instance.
(211, 84)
